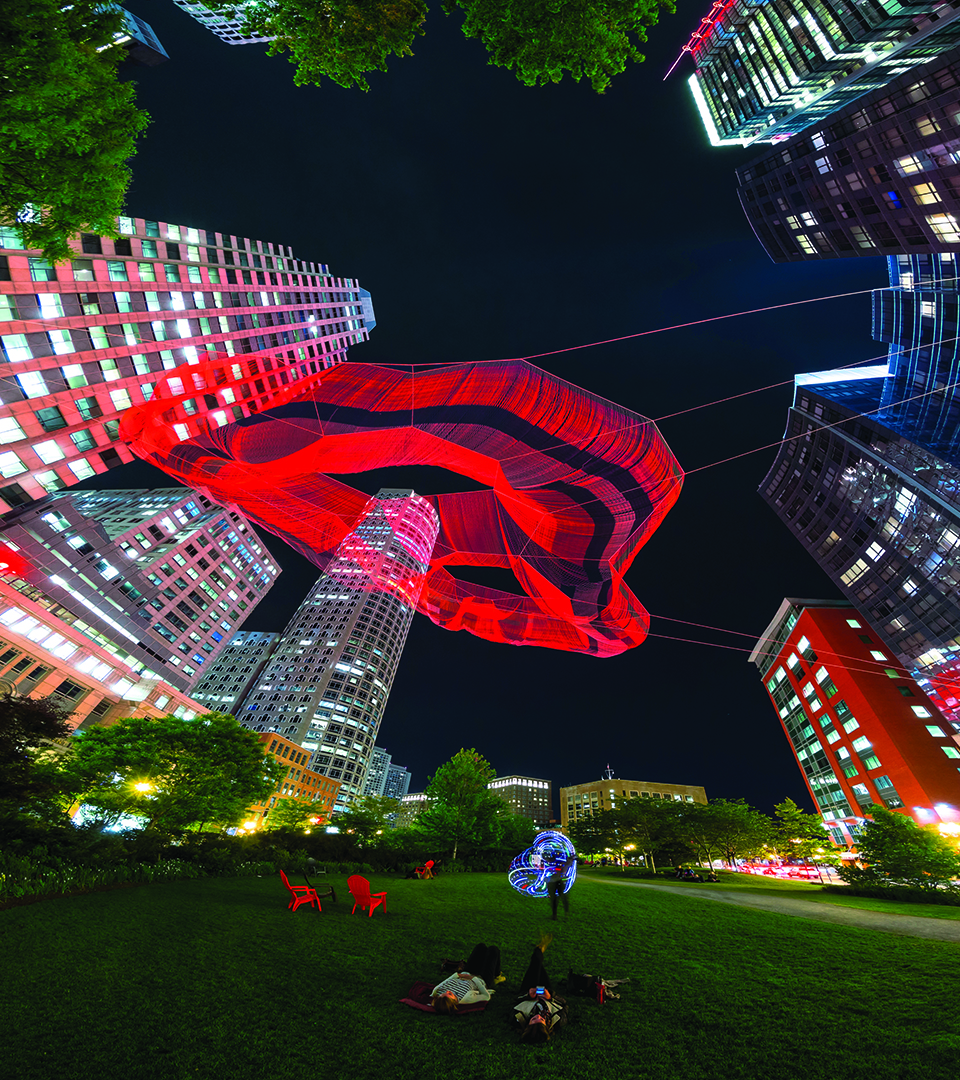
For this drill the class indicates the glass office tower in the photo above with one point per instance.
(766, 69)
(158, 578)
(881, 176)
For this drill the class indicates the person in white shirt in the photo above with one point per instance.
(472, 983)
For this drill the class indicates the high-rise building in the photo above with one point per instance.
(580, 801)
(879, 176)
(879, 511)
(47, 653)
(919, 317)
(377, 772)
(82, 342)
(227, 680)
(526, 796)
(228, 28)
(327, 682)
(397, 782)
(159, 579)
(384, 778)
(140, 42)
(766, 70)
(862, 730)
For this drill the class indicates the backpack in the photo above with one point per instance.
(591, 986)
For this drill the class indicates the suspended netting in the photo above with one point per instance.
(575, 484)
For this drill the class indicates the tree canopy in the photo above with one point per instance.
(460, 805)
(898, 851)
(172, 773)
(798, 835)
(67, 125)
(368, 816)
(25, 725)
(538, 40)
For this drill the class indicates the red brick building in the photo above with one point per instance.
(299, 782)
(862, 730)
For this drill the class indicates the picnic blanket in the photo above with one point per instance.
(418, 997)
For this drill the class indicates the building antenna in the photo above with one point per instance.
(608, 775)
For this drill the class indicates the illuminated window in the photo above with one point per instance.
(50, 306)
(15, 347)
(935, 731)
(11, 465)
(945, 227)
(951, 751)
(32, 384)
(48, 451)
(911, 163)
(919, 710)
(855, 571)
(925, 194)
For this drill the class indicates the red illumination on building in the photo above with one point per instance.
(862, 730)
(12, 564)
(575, 484)
(699, 37)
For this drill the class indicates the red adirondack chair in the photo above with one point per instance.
(300, 894)
(360, 891)
(426, 871)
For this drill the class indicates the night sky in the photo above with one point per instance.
(493, 220)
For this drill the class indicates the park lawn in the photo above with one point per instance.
(214, 978)
(761, 885)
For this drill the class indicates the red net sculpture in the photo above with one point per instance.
(574, 484)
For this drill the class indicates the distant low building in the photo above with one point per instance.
(583, 800)
(526, 796)
(299, 782)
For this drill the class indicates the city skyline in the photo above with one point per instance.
(481, 234)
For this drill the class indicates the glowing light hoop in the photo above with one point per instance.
(531, 869)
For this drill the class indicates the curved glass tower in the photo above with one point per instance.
(327, 683)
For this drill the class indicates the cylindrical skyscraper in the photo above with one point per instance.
(326, 685)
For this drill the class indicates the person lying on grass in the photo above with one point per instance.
(538, 1011)
(472, 983)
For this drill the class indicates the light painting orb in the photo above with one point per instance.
(531, 869)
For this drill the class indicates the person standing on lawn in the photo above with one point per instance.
(557, 885)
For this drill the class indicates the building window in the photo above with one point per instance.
(945, 227)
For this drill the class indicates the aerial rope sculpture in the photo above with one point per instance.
(575, 485)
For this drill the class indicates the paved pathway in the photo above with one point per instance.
(909, 925)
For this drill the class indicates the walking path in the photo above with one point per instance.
(909, 925)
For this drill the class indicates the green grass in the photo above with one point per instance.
(214, 978)
(761, 885)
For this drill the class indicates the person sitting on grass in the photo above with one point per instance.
(538, 1011)
(472, 983)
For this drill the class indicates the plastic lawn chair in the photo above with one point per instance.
(426, 871)
(300, 894)
(360, 891)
